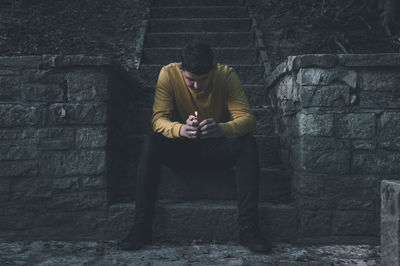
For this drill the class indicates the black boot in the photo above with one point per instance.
(251, 238)
(140, 235)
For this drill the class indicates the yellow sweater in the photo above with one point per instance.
(223, 100)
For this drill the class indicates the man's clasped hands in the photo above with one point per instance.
(207, 128)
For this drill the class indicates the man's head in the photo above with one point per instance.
(197, 62)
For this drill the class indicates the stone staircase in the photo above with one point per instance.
(203, 206)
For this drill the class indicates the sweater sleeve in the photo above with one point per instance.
(243, 121)
(163, 107)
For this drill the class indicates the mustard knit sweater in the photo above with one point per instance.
(223, 100)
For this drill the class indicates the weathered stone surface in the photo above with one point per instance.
(379, 99)
(20, 61)
(87, 86)
(324, 96)
(41, 93)
(16, 115)
(313, 60)
(322, 155)
(357, 125)
(288, 89)
(69, 163)
(353, 186)
(93, 182)
(309, 184)
(316, 223)
(43, 76)
(19, 150)
(65, 143)
(268, 150)
(9, 89)
(314, 124)
(369, 60)
(385, 80)
(364, 144)
(390, 222)
(324, 77)
(18, 168)
(390, 130)
(78, 201)
(378, 162)
(355, 223)
(79, 113)
(357, 204)
(94, 137)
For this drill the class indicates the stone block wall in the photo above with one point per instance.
(61, 119)
(339, 122)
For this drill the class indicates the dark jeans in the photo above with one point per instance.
(183, 153)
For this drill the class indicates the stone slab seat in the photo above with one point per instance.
(203, 220)
(199, 12)
(223, 55)
(248, 74)
(214, 39)
(199, 25)
(197, 2)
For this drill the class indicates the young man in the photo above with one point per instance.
(200, 114)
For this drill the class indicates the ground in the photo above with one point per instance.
(102, 27)
(107, 253)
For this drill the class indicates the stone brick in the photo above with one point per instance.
(309, 184)
(46, 76)
(324, 96)
(85, 113)
(52, 132)
(65, 143)
(363, 144)
(288, 89)
(91, 137)
(19, 150)
(18, 168)
(10, 134)
(93, 182)
(390, 222)
(313, 124)
(322, 155)
(357, 204)
(317, 203)
(42, 93)
(9, 89)
(377, 162)
(16, 115)
(87, 86)
(268, 150)
(314, 60)
(5, 186)
(316, 223)
(69, 163)
(78, 201)
(389, 136)
(355, 223)
(353, 186)
(324, 77)
(383, 81)
(379, 99)
(357, 125)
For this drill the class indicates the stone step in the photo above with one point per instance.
(199, 25)
(223, 55)
(199, 12)
(203, 220)
(207, 185)
(248, 74)
(197, 2)
(214, 39)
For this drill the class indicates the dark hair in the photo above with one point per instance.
(197, 58)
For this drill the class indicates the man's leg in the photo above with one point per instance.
(156, 150)
(247, 182)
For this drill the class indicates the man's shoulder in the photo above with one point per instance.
(171, 68)
(224, 71)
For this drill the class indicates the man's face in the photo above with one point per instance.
(196, 83)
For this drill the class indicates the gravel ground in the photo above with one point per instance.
(108, 253)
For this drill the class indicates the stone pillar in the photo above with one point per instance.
(390, 223)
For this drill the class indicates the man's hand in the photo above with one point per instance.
(190, 129)
(210, 129)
